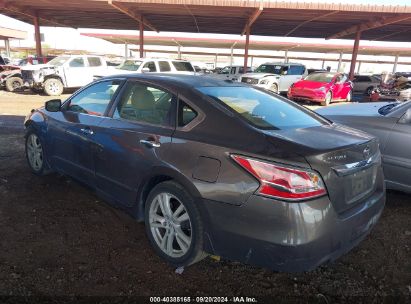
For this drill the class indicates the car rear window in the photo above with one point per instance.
(263, 110)
(183, 66)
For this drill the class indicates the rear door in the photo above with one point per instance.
(72, 130)
(134, 140)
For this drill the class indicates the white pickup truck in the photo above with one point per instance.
(276, 77)
(66, 71)
(233, 72)
(150, 65)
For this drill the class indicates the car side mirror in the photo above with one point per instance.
(53, 105)
(406, 118)
(145, 70)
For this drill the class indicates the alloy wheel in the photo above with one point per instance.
(34, 152)
(15, 85)
(170, 225)
(53, 87)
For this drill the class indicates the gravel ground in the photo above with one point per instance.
(57, 238)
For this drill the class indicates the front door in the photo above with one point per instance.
(72, 131)
(134, 140)
(341, 87)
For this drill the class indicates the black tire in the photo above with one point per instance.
(195, 251)
(42, 169)
(327, 100)
(13, 83)
(53, 87)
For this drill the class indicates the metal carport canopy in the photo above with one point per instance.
(272, 18)
(256, 43)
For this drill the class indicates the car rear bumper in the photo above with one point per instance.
(290, 237)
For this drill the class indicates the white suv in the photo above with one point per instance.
(150, 65)
(276, 77)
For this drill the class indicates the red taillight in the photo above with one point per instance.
(282, 182)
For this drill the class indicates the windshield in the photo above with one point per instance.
(261, 109)
(130, 65)
(183, 66)
(320, 77)
(384, 110)
(58, 61)
(272, 69)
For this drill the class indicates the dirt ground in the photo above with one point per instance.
(57, 238)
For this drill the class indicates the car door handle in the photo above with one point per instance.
(150, 143)
(87, 131)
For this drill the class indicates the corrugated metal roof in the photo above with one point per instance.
(278, 18)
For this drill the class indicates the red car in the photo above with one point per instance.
(323, 87)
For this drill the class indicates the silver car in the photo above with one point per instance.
(391, 123)
(365, 83)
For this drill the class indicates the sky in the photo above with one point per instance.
(68, 38)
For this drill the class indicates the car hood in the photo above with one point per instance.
(314, 140)
(356, 109)
(36, 67)
(258, 75)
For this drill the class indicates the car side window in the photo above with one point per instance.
(151, 66)
(94, 99)
(94, 61)
(77, 63)
(145, 104)
(340, 79)
(285, 70)
(296, 70)
(186, 114)
(164, 66)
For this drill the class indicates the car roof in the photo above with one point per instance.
(182, 81)
(155, 59)
(283, 63)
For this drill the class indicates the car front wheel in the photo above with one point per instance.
(327, 100)
(13, 83)
(53, 87)
(35, 154)
(173, 224)
(274, 88)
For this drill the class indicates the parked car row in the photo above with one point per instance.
(293, 79)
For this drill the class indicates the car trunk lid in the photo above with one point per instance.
(347, 159)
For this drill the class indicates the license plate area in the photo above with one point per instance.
(360, 184)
